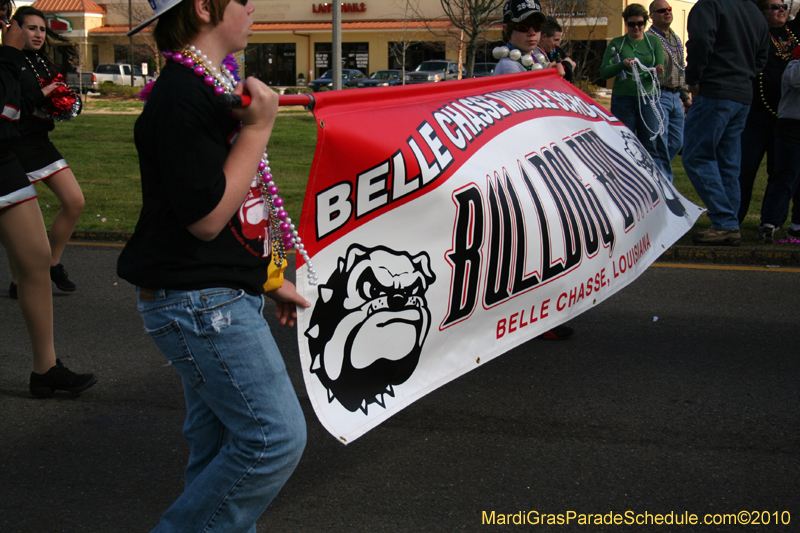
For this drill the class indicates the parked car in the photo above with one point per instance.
(119, 73)
(350, 78)
(382, 78)
(433, 70)
(480, 70)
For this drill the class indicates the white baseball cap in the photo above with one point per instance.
(159, 7)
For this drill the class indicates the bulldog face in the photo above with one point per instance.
(639, 154)
(369, 324)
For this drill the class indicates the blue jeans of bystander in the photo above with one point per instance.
(643, 121)
(244, 425)
(674, 116)
(712, 154)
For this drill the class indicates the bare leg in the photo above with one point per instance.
(23, 235)
(66, 188)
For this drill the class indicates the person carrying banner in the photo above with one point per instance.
(522, 26)
(675, 94)
(22, 231)
(522, 29)
(727, 48)
(549, 45)
(199, 257)
(38, 156)
(634, 60)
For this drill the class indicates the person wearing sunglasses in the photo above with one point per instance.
(758, 137)
(727, 48)
(628, 100)
(22, 230)
(522, 30)
(199, 257)
(674, 91)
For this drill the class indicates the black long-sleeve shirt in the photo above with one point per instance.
(727, 48)
(11, 61)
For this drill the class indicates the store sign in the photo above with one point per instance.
(346, 8)
(58, 24)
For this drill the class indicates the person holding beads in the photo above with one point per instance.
(632, 97)
(199, 256)
(675, 94)
(522, 29)
(37, 155)
(22, 231)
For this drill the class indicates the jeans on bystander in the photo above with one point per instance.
(712, 156)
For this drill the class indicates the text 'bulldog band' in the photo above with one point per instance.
(451, 222)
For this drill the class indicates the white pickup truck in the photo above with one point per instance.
(118, 73)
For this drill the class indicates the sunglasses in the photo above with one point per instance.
(640, 23)
(525, 28)
(778, 7)
(242, 2)
(663, 10)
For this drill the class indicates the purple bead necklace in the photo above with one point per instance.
(224, 82)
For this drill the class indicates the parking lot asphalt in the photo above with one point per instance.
(677, 395)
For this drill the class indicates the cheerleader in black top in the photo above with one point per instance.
(22, 231)
(40, 159)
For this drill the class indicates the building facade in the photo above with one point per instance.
(291, 41)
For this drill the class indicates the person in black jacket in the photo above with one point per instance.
(758, 137)
(37, 155)
(727, 48)
(22, 231)
(549, 45)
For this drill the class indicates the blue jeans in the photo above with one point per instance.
(244, 425)
(674, 116)
(784, 183)
(712, 155)
(758, 138)
(643, 121)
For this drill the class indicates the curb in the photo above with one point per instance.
(743, 255)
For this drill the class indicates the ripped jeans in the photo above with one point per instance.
(244, 425)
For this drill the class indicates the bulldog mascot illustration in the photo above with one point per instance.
(369, 324)
(644, 161)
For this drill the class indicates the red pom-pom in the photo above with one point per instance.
(796, 52)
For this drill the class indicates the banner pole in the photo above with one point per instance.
(306, 100)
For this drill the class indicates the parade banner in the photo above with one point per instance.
(447, 223)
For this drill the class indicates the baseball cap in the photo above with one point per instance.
(159, 7)
(519, 10)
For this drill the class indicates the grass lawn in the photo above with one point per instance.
(99, 148)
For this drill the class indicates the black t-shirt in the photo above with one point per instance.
(183, 140)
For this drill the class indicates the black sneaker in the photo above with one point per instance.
(793, 233)
(766, 233)
(59, 275)
(60, 378)
(12, 291)
(558, 333)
